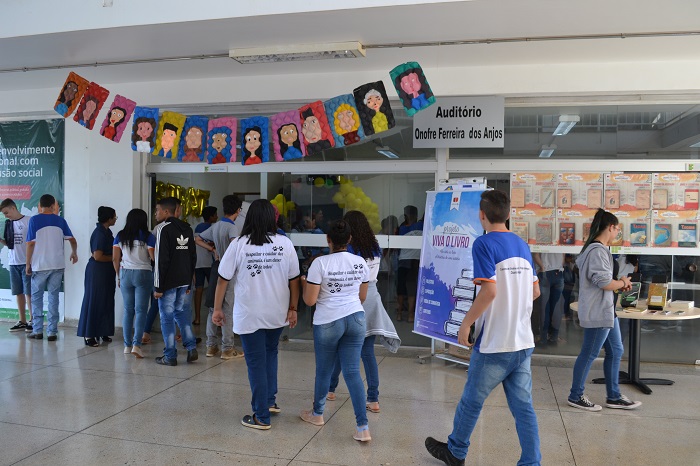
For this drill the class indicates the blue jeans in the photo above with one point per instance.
(136, 287)
(593, 340)
(260, 350)
(486, 371)
(51, 281)
(343, 337)
(171, 306)
(551, 292)
(371, 370)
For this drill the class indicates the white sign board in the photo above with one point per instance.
(460, 122)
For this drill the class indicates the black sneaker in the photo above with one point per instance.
(163, 361)
(275, 409)
(52, 337)
(253, 423)
(192, 355)
(440, 451)
(36, 336)
(622, 403)
(29, 327)
(18, 326)
(585, 404)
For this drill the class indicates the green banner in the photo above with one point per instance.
(31, 164)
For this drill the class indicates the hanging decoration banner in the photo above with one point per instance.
(31, 164)
(471, 122)
(445, 281)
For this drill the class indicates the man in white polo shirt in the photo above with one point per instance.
(46, 262)
(15, 239)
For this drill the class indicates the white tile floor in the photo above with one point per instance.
(64, 403)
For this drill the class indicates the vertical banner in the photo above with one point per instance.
(31, 164)
(445, 282)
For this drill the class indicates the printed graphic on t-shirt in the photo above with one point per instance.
(257, 262)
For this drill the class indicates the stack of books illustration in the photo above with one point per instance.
(463, 292)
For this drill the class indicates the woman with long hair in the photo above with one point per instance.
(596, 311)
(133, 252)
(363, 243)
(265, 272)
(97, 311)
(337, 284)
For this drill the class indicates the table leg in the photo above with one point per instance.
(631, 377)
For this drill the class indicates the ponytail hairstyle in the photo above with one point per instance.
(339, 234)
(601, 221)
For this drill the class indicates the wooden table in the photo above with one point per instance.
(636, 317)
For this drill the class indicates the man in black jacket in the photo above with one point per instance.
(176, 257)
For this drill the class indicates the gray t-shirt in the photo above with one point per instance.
(221, 233)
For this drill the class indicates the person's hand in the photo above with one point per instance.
(218, 317)
(157, 295)
(463, 335)
(28, 269)
(74, 257)
(188, 291)
(292, 318)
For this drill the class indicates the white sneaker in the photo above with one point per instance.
(127, 350)
(136, 351)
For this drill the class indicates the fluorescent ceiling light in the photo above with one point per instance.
(547, 151)
(697, 144)
(286, 53)
(387, 152)
(566, 122)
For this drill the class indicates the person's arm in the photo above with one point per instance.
(193, 258)
(100, 256)
(30, 253)
(624, 284)
(205, 244)
(74, 250)
(116, 259)
(535, 290)
(292, 314)
(537, 259)
(481, 303)
(363, 291)
(218, 316)
(162, 263)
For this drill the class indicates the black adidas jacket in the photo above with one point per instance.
(176, 255)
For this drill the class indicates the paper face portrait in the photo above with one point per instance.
(90, 105)
(193, 140)
(412, 87)
(287, 139)
(315, 128)
(221, 140)
(70, 95)
(373, 106)
(117, 118)
(254, 140)
(143, 129)
(168, 134)
(344, 120)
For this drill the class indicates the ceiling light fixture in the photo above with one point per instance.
(287, 53)
(566, 122)
(547, 151)
(697, 144)
(387, 152)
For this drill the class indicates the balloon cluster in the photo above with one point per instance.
(283, 205)
(193, 199)
(354, 198)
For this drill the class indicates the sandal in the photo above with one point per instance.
(91, 342)
(373, 406)
(107, 339)
(399, 316)
(145, 339)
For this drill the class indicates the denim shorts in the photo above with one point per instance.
(20, 282)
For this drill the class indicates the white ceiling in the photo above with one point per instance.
(479, 19)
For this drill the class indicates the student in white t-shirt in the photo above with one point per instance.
(132, 253)
(337, 284)
(15, 239)
(264, 270)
